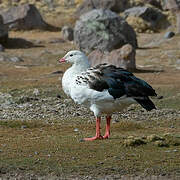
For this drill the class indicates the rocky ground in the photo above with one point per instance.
(32, 107)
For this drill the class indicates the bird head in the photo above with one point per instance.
(74, 57)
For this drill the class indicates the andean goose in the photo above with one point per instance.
(104, 88)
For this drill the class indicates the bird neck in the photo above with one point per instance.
(80, 67)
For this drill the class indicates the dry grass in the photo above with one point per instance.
(56, 148)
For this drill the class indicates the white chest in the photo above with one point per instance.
(68, 80)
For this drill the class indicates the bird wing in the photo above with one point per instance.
(117, 81)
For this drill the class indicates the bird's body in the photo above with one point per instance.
(105, 89)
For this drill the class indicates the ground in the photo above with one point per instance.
(41, 129)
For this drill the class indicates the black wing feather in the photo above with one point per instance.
(120, 82)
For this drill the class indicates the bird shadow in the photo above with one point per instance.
(19, 43)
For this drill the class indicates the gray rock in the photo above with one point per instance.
(169, 35)
(76, 130)
(3, 31)
(67, 33)
(24, 17)
(3, 58)
(113, 5)
(172, 5)
(1, 48)
(38, 41)
(178, 62)
(153, 16)
(103, 30)
(36, 92)
(5, 99)
(6, 58)
(23, 127)
(15, 59)
(123, 57)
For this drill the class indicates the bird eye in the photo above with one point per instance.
(71, 55)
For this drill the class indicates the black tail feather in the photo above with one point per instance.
(146, 103)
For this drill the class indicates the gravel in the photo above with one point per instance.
(34, 108)
(21, 176)
(56, 108)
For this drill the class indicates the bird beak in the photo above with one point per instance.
(62, 60)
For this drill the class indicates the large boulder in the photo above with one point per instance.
(172, 5)
(24, 17)
(104, 30)
(123, 57)
(3, 32)
(153, 16)
(113, 5)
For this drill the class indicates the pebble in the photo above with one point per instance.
(1, 48)
(37, 41)
(15, 59)
(36, 92)
(178, 62)
(175, 150)
(168, 151)
(169, 35)
(23, 127)
(76, 130)
(3, 58)
(31, 108)
(67, 33)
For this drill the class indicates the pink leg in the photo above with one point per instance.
(98, 134)
(107, 133)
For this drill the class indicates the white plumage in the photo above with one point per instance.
(104, 89)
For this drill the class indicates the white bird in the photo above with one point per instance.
(105, 89)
